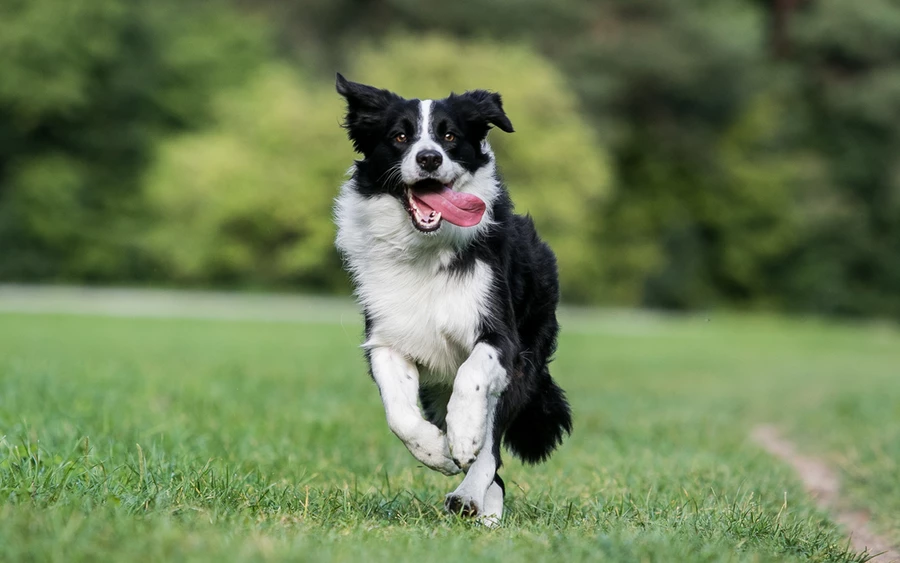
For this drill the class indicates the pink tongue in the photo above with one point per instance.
(464, 210)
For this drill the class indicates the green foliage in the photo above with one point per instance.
(553, 164)
(850, 82)
(676, 209)
(87, 89)
(701, 121)
(676, 153)
(248, 200)
(765, 212)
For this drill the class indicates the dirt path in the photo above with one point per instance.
(823, 484)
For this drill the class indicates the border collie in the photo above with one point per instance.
(459, 294)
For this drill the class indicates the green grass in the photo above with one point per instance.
(150, 439)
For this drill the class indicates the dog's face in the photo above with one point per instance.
(427, 154)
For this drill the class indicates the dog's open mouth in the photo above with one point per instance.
(430, 201)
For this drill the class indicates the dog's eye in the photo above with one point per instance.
(449, 137)
(401, 138)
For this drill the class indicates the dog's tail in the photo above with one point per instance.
(538, 428)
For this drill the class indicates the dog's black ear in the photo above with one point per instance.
(365, 112)
(481, 109)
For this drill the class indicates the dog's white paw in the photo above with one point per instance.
(466, 427)
(442, 463)
(429, 446)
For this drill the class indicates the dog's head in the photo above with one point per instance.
(427, 154)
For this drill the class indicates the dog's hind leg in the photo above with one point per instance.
(398, 382)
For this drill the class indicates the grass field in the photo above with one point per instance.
(200, 440)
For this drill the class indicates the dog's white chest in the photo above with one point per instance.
(430, 314)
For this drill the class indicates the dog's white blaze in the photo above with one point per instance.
(425, 133)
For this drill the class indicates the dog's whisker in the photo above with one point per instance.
(394, 170)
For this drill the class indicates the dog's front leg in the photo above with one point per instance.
(398, 382)
(476, 390)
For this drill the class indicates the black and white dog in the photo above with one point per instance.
(459, 294)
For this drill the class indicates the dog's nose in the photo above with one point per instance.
(429, 160)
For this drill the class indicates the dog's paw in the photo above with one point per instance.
(466, 450)
(466, 430)
(462, 505)
(445, 465)
(430, 447)
(470, 501)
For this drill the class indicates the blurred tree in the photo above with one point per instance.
(740, 152)
(86, 89)
(666, 84)
(848, 58)
(328, 32)
(553, 163)
(248, 201)
(669, 80)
